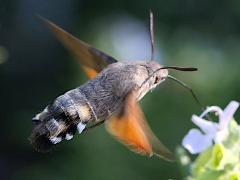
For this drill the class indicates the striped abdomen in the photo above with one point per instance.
(60, 120)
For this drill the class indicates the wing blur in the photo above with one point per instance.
(130, 128)
(92, 59)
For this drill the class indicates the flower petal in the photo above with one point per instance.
(215, 109)
(208, 127)
(221, 135)
(227, 114)
(196, 142)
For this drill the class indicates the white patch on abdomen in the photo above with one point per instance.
(68, 136)
(55, 140)
(80, 127)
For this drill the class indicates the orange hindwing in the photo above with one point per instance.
(130, 128)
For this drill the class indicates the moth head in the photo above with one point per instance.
(156, 75)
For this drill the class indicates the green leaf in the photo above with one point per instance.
(201, 161)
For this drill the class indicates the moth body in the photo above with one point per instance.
(110, 95)
(94, 101)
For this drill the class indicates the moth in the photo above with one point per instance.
(110, 96)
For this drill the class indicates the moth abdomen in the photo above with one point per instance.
(60, 120)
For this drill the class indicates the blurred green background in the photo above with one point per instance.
(35, 68)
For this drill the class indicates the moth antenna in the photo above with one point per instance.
(169, 67)
(179, 68)
(187, 87)
(151, 34)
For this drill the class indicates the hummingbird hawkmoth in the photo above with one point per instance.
(110, 96)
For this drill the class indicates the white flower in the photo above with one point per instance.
(197, 141)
